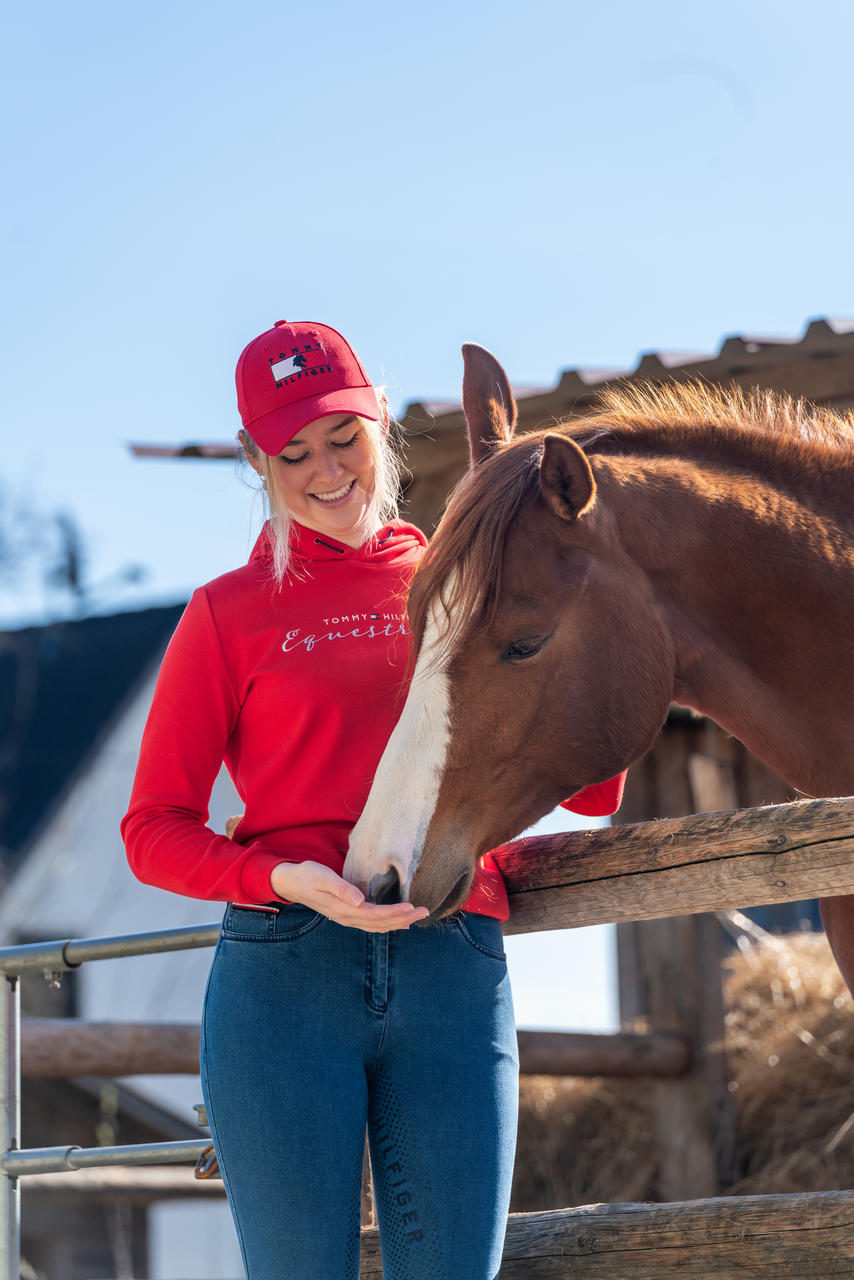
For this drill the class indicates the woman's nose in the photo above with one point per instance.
(328, 464)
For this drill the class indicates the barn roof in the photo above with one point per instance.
(62, 687)
(818, 365)
(741, 357)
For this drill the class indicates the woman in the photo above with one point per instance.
(325, 1013)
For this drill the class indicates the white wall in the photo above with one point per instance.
(192, 1242)
(76, 883)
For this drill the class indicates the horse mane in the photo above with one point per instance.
(460, 574)
(722, 413)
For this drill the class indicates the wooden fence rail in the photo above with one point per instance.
(71, 1047)
(674, 867)
(680, 866)
(791, 1237)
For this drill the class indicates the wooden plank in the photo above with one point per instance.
(63, 1047)
(682, 964)
(791, 1237)
(136, 1186)
(680, 866)
(74, 1047)
(625, 1054)
(670, 970)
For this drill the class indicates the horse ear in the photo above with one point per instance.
(487, 401)
(566, 479)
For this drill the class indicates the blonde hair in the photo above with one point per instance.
(385, 451)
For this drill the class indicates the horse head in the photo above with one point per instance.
(544, 664)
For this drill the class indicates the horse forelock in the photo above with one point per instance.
(459, 578)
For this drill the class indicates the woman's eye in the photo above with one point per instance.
(336, 444)
(519, 650)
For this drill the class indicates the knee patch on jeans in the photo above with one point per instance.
(409, 1229)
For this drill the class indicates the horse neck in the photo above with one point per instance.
(757, 586)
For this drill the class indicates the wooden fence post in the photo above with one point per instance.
(670, 977)
(680, 962)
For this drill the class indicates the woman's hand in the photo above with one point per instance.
(318, 887)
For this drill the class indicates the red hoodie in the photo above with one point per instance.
(297, 690)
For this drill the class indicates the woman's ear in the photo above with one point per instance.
(383, 406)
(253, 453)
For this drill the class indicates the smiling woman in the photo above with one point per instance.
(291, 669)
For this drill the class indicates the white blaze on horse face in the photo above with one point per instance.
(402, 799)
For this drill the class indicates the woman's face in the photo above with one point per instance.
(325, 477)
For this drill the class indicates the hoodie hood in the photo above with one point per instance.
(393, 542)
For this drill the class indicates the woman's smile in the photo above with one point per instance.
(338, 495)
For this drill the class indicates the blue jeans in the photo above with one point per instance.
(312, 1031)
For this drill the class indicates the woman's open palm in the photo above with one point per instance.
(317, 886)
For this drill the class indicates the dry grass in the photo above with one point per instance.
(582, 1142)
(790, 1054)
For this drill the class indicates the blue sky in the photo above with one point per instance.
(567, 184)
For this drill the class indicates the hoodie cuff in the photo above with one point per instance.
(599, 800)
(255, 877)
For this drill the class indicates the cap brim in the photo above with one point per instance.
(272, 431)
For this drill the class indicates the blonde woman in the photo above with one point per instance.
(325, 1013)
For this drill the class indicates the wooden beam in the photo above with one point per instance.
(785, 1237)
(625, 1054)
(682, 962)
(680, 866)
(133, 1186)
(62, 1047)
(670, 970)
(73, 1047)
(794, 1237)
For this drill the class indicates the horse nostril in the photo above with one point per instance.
(385, 888)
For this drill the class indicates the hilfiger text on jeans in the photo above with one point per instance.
(398, 1184)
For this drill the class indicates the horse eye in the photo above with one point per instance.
(519, 650)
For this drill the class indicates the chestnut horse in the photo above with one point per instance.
(682, 544)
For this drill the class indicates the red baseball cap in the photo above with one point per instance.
(297, 372)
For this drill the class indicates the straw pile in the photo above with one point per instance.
(790, 1054)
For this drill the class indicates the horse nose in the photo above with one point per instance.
(385, 887)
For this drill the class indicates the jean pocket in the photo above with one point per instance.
(483, 933)
(269, 924)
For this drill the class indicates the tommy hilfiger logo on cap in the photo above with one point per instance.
(310, 359)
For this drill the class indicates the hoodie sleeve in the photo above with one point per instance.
(598, 800)
(193, 714)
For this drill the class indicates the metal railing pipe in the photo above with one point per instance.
(37, 1160)
(79, 950)
(10, 1124)
(17, 1164)
(49, 958)
(68, 953)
